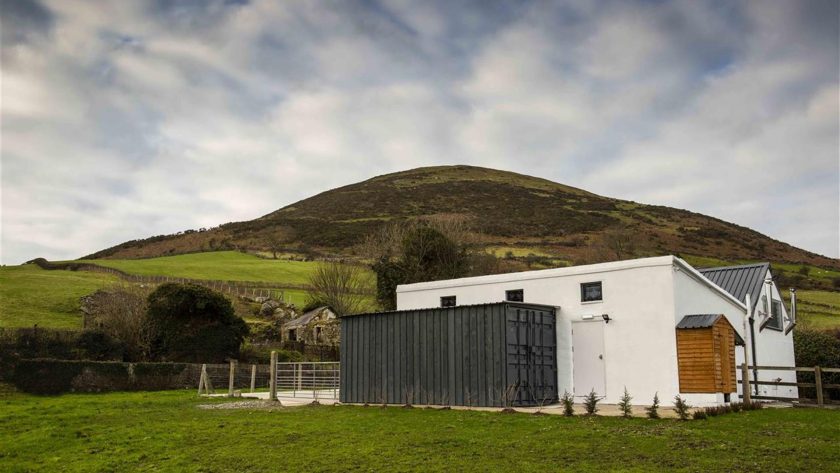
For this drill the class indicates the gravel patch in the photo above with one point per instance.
(255, 404)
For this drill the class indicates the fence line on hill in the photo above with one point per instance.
(236, 288)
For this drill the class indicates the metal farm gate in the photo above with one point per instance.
(500, 354)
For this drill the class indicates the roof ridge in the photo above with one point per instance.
(737, 266)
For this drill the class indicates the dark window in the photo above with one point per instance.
(447, 301)
(775, 315)
(590, 291)
(292, 335)
(318, 334)
(516, 295)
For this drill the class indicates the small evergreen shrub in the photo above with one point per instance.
(699, 415)
(624, 404)
(653, 410)
(681, 407)
(568, 402)
(590, 403)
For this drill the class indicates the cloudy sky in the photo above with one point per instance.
(127, 119)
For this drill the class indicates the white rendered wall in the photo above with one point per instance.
(640, 340)
(694, 297)
(774, 348)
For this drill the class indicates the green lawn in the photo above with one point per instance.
(30, 295)
(166, 432)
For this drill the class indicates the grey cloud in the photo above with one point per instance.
(127, 119)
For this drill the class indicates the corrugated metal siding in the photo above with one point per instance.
(449, 356)
(739, 280)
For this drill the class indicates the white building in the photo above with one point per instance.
(618, 324)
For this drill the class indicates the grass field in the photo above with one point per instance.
(220, 265)
(817, 309)
(30, 295)
(166, 432)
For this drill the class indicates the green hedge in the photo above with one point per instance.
(47, 376)
(817, 348)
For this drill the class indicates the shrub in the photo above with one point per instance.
(45, 376)
(194, 323)
(97, 345)
(568, 402)
(590, 403)
(653, 410)
(699, 415)
(58, 376)
(624, 404)
(681, 407)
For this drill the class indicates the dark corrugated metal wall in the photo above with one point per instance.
(468, 355)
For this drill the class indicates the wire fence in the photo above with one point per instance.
(314, 380)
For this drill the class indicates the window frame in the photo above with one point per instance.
(583, 287)
(445, 299)
(779, 323)
(514, 291)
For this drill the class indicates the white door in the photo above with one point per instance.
(588, 358)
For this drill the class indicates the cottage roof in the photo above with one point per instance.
(739, 280)
(304, 319)
(705, 321)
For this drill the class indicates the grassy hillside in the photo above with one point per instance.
(220, 265)
(165, 431)
(30, 295)
(506, 210)
(817, 309)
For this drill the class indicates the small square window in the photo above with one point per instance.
(447, 301)
(515, 295)
(591, 292)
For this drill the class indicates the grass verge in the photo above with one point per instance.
(166, 432)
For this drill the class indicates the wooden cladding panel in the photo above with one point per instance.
(706, 358)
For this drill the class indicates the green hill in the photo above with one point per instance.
(30, 295)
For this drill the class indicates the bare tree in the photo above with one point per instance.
(621, 241)
(275, 244)
(120, 311)
(339, 286)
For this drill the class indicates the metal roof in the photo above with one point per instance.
(739, 280)
(698, 321)
(705, 321)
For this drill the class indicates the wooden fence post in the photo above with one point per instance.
(253, 378)
(231, 376)
(745, 383)
(202, 379)
(818, 382)
(272, 377)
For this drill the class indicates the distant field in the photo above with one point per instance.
(30, 295)
(817, 309)
(219, 265)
